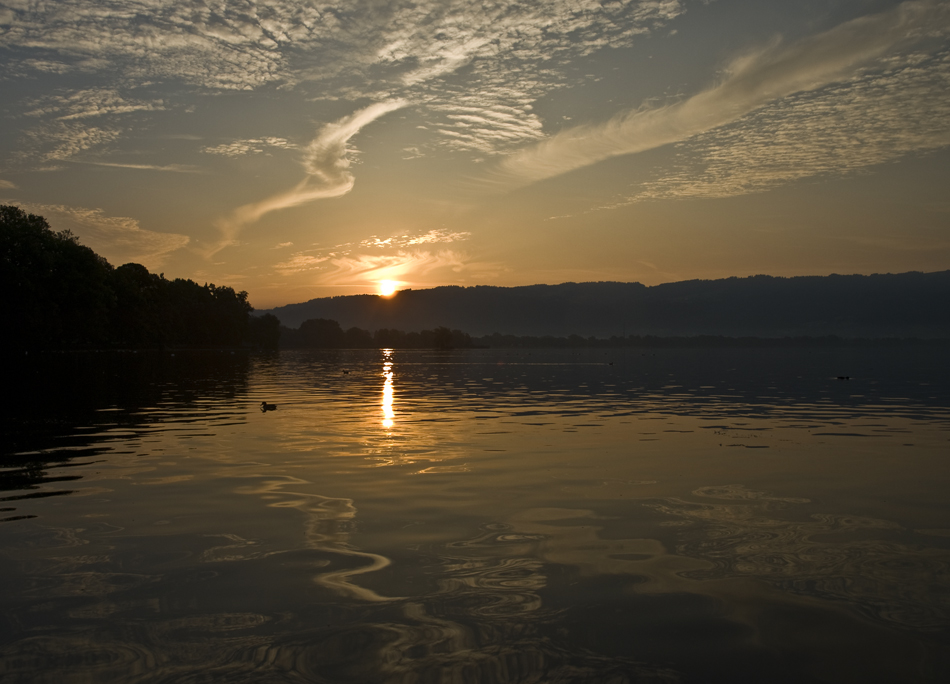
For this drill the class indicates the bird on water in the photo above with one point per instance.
(268, 407)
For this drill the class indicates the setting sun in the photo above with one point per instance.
(387, 288)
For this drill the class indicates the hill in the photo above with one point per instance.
(882, 305)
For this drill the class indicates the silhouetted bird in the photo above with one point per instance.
(346, 372)
(268, 407)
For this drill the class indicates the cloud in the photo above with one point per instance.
(511, 52)
(751, 82)
(327, 166)
(172, 168)
(876, 118)
(88, 103)
(118, 238)
(393, 258)
(7, 185)
(77, 121)
(63, 140)
(239, 148)
(299, 263)
(213, 45)
(405, 266)
(432, 236)
(502, 57)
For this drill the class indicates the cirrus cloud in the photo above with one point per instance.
(326, 164)
(405, 266)
(752, 81)
(118, 238)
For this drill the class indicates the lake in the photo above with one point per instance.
(610, 515)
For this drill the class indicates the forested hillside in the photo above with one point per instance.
(901, 305)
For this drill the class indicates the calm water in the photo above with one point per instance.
(477, 516)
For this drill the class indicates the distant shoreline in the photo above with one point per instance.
(515, 342)
(900, 306)
(707, 341)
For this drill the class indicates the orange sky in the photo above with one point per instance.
(303, 149)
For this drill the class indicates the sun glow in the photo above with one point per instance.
(387, 288)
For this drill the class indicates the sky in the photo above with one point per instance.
(301, 148)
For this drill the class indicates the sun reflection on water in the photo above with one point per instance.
(388, 413)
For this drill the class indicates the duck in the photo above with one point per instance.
(268, 407)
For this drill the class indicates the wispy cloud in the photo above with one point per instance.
(512, 53)
(240, 148)
(327, 166)
(74, 122)
(874, 119)
(396, 258)
(63, 140)
(751, 82)
(406, 266)
(372, 268)
(299, 263)
(88, 103)
(433, 236)
(171, 168)
(118, 238)
(7, 185)
(208, 44)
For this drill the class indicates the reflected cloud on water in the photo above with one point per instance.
(328, 524)
(871, 564)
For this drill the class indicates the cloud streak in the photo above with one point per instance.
(877, 118)
(435, 235)
(118, 238)
(399, 258)
(406, 266)
(327, 166)
(512, 52)
(169, 168)
(239, 148)
(751, 82)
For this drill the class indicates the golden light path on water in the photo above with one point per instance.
(388, 413)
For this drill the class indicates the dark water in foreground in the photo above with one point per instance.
(477, 516)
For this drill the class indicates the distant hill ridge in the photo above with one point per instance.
(882, 305)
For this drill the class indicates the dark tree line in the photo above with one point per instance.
(324, 333)
(60, 294)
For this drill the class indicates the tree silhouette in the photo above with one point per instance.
(62, 295)
(321, 333)
(263, 332)
(142, 314)
(57, 291)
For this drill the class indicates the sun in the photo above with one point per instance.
(387, 288)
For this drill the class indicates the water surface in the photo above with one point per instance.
(730, 515)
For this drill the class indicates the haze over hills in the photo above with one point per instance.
(883, 305)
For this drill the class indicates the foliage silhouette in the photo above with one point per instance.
(263, 332)
(63, 295)
(58, 292)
